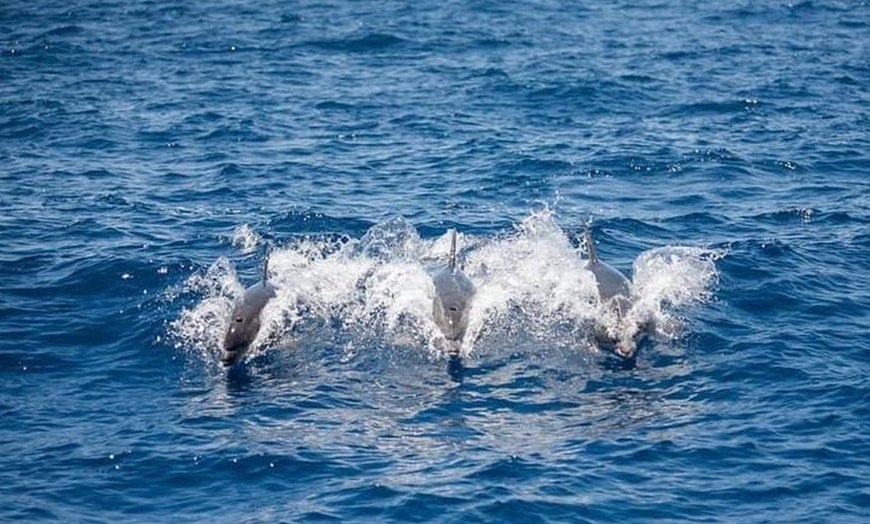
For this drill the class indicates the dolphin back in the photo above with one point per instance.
(453, 294)
(611, 282)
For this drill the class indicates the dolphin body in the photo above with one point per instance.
(453, 294)
(614, 289)
(245, 320)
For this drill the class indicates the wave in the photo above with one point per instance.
(376, 291)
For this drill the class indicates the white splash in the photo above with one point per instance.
(531, 280)
(245, 239)
(201, 327)
(668, 279)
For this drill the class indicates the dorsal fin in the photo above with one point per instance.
(590, 245)
(265, 275)
(451, 263)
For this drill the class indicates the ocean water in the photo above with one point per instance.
(153, 153)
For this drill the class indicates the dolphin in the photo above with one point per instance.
(245, 320)
(614, 289)
(453, 294)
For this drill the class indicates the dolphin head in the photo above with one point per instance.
(245, 321)
(453, 294)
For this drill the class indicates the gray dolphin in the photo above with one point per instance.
(453, 294)
(245, 320)
(614, 289)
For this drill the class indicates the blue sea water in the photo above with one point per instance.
(153, 152)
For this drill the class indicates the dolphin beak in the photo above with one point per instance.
(233, 354)
(625, 349)
(452, 348)
(230, 358)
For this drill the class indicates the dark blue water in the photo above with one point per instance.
(152, 152)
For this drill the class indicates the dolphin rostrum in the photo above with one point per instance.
(245, 320)
(453, 294)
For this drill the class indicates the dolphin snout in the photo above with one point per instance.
(234, 348)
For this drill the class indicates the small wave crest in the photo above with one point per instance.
(245, 239)
(377, 291)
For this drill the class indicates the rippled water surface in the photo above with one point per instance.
(153, 153)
